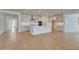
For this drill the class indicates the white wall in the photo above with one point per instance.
(8, 18)
(23, 23)
(2, 23)
(71, 23)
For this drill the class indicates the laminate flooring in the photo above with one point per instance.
(49, 41)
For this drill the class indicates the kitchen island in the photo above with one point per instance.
(35, 30)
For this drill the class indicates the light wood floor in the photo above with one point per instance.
(49, 41)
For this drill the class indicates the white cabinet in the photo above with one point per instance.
(35, 30)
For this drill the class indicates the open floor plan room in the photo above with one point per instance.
(39, 29)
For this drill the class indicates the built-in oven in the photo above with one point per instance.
(40, 23)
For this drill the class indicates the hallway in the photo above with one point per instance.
(49, 41)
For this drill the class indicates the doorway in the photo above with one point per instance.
(57, 23)
(11, 23)
(54, 23)
(54, 27)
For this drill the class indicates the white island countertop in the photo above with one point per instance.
(35, 30)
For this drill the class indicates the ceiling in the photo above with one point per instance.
(40, 11)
